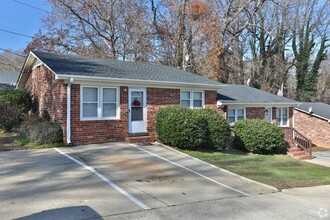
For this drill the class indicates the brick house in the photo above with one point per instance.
(313, 120)
(238, 102)
(99, 100)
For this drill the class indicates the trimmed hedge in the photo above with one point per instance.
(258, 136)
(192, 129)
(14, 106)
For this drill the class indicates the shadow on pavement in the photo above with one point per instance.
(75, 212)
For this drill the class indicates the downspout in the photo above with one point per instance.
(68, 111)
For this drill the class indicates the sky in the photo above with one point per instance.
(19, 18)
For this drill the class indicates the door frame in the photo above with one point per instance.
(144, 90)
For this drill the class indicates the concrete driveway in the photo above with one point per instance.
(321, 158)
(123, 181)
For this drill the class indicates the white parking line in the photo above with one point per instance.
(190, 170)
(129, 196)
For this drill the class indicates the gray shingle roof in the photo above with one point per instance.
(243, 94)
(83, 66)
(8, 77)
(318, 108)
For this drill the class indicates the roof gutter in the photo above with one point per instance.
(262, 104)
(138, 81)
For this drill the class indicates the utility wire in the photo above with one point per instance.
(8, 51)
(31, 6)
(11, 32)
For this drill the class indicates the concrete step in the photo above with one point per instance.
(298, 153)
(139, 139)
(305, 156)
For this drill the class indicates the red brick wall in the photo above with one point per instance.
(84, 132)
(98, 131)
(314, 128)
(210, 99)
(48, 94)
(255, 113)
(158, 98)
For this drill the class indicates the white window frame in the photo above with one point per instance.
(100, 103)
(191, 98)
(281, 117)
(235, 114)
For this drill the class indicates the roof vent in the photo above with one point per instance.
(248, 82)
(310, 110)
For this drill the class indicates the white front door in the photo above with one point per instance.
(268, 114)
(137, 109)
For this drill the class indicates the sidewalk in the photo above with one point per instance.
(321, 158)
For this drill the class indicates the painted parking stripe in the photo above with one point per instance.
(192, 171)
(91, 169)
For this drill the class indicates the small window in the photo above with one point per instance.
(185, 99)
(90, 102)
(192, 99)
(282, 117)
(231, 116)
(99, 103)
(197, 99)
(109, 102)
(235, 115)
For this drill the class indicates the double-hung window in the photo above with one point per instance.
(99, 103)
(192, 99)
(282, 117)
(235, 115)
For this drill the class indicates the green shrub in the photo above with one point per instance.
(180, 127)
(218, 132)
(187, 128)
(41, 131)
(258, 136)
(14, 106)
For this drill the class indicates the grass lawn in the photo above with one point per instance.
(11, 141)
(279, 171)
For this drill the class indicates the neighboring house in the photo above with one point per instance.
(238, 102)
(313, 120)
(8, 79)
(98, 100)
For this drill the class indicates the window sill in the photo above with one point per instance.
(99, 119)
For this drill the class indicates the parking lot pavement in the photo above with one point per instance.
(162, 177)
(110, 179)
(42, 184)
(301, 203)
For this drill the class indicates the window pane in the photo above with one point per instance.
(89, 110)
(240, 112)
(185, 103)
(185, 95)
(284, 121)
(278, 113)
(231, 112)
(109, 110)
(109, 95)
(284, 112)
(89, 94)
(137, 114)
(278, 121)
(197, 96)
(240, 118)
(231, 119)
(197, 104)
